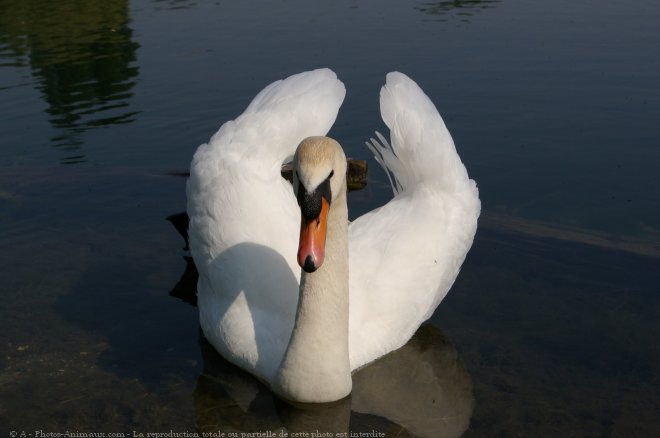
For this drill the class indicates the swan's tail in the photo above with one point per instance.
(420, 150)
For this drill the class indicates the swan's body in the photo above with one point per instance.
(245, 223)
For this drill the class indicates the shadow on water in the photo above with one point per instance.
(82, 57)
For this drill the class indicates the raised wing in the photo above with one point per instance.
(244, 218)
(405, 256)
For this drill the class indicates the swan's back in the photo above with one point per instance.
(405, 256)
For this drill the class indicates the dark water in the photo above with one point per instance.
(552, 326)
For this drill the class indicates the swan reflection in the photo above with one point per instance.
(423, 389)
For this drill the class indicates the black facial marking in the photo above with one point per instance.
(310, 203)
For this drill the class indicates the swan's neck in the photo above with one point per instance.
(316, 367)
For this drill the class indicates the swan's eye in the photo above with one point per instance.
(332, 172)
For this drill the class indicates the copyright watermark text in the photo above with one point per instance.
(186, 434)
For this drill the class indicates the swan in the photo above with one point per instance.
(364, 287)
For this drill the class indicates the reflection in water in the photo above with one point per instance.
(174, 4)
(82, 58)
(185, 288)
(462, 8)
(422, 389)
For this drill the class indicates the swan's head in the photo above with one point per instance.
(319, 177)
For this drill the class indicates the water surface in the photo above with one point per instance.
(553, 107)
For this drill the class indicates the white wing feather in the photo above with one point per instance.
(405, 256)
(244, 220)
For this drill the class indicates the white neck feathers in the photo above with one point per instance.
(316, 366)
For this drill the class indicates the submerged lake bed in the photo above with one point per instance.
(551, 327)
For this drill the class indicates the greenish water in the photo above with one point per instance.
(551, 328)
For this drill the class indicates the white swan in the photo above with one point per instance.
(304, 335)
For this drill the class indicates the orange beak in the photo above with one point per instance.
(311, 249)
